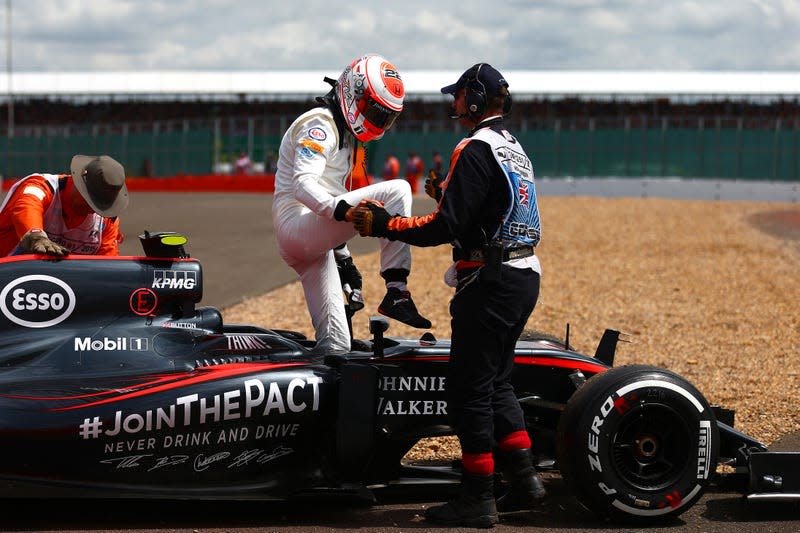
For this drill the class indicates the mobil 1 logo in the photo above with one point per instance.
(37, 301)
(111, 344)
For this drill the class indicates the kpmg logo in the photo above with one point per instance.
(37, 301)
(174, 279)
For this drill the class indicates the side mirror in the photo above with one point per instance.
(164, 244)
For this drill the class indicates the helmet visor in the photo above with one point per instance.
(378, 115)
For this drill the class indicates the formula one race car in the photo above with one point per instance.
(114, 383)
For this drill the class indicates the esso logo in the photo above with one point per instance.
(37, 301)
(317, 134)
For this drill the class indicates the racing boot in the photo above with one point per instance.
(398, 304)
(473, 507)
(527, 490)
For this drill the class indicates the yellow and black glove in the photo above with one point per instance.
(36, 241)
(433, 185)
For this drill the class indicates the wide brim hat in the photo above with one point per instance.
(101, 182)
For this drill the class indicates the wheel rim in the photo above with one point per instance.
(652, 446)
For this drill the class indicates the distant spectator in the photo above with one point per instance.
(147, 168)
(243, 164)
(271, 163)
(437, 162)
(414, 171)
(391, 167)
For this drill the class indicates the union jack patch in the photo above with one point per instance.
(524, 196)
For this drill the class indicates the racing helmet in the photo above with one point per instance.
(370, 94)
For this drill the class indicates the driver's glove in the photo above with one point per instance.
(351, 282)
(36, 241)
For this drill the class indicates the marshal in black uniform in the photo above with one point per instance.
(488, 211)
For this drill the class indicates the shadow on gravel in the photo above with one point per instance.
(784, 224)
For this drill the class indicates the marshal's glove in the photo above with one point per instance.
(36, 241)
(371, 219)
(433, 185)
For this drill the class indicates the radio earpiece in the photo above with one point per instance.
(475, 95)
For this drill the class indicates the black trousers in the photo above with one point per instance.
(487, 320)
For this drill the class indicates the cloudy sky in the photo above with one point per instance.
(109, 35)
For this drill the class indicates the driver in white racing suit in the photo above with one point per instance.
(313, 206)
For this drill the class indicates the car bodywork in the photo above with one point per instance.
(114, 382)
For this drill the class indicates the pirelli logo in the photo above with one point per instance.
(174, 279)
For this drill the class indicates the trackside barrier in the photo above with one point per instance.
(642, 187)
(259, 183)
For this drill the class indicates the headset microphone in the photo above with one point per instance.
(454, 114)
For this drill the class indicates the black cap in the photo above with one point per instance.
(491, 79)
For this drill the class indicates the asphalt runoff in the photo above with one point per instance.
(230, 234)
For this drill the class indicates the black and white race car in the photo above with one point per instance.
(114, 382)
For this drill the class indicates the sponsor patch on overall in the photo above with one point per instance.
(313, 145)
(318, 134)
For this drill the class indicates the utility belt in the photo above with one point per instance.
(480, 254)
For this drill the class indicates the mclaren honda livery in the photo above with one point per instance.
(114, 382)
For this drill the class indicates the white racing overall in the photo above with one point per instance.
(312, 177)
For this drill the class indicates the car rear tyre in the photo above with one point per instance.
(637, 442)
